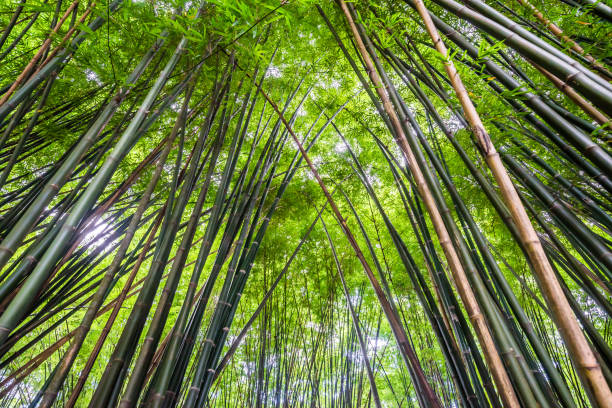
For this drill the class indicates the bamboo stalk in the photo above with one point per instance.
(553, 28)
(581, 353)
(396, 326)
(52, 66)
(467, 295)
(575, 97)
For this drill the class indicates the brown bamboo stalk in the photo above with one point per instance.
(396, 326)
(45, 46)
(66, 37)
(574, 96)
(581, 353)
(464, 288)
(553, 28)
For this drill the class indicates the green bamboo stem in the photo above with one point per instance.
(19, 305)
(526, 43)
(568, 325)
(465, 290)
(355, 320)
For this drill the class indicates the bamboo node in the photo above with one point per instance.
(475, 316)
(570, 78)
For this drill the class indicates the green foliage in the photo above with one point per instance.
(304, 329)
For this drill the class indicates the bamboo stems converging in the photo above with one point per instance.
(286, 204)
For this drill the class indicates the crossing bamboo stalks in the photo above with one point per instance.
(393, 320)
(495, 363)
(146, 353)
(43, 49)
(577, 138)
(18, 232)
(575, 97)
(553, 28)
(568, 325)
(19, 305)
(559, 384)
(356, 323)
(71, 354)
(418, 282)
(234, 346)
(186, 243)
(53, 65)
(590, 85)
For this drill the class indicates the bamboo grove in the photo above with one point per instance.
(265, 203)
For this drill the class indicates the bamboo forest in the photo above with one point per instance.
(301, 203)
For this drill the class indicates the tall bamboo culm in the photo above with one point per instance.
(581, 353)
(467, 295)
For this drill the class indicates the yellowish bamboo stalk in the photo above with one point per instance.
(464, 288)
(553, 28)
(574, 96)
(580, 351)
